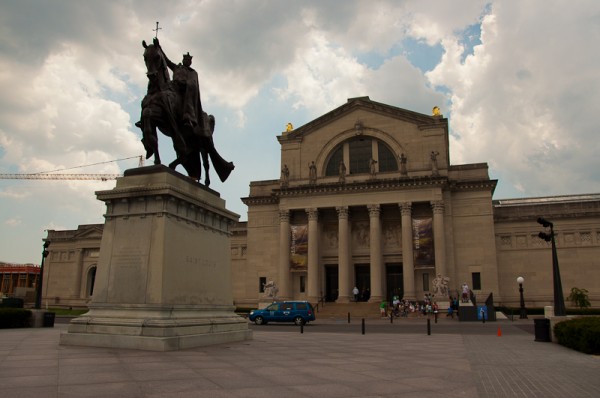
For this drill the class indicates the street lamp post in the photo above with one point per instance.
(38, 286)
(520, 281)
(559, 301)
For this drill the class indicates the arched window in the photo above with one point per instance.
(359, 152)
(387, 159)
(334, 161)
(91, 279)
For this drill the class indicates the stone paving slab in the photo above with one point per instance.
(312, 364)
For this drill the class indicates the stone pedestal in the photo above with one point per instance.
(163, 280)
(264, 302)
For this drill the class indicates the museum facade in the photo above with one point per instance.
(368, 198)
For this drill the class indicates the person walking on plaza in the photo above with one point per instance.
(383, 309)
(355, 292)
(465, 293)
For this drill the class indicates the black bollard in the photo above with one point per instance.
(302, 327)
(363, 326)
(428, 327)
(348, 317)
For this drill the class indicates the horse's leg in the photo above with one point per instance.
(150, 136)
(206, 165)
(175, 163)
(155, 149)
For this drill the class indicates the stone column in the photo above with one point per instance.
(77, 283)
(313, 255)
(283, 281)
(408, 266)
(439, 240)
(375, 251)
(343, 255)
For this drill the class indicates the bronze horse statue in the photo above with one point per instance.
(162, 108)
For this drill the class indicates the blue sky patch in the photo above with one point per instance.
(469, 38)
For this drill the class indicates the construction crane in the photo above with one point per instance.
(52, 175)
(41, 176)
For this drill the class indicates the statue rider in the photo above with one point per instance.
(186, 83)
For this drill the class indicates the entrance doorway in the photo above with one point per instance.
(91, 279)
(362, 275)
(331, 282)
(394, 281)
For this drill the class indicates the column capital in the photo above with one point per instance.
(405, 208)
(342, 211)
(284, 216)
(437, 206)
(313, 214)
(374, 210)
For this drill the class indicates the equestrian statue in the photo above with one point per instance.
(173, 106)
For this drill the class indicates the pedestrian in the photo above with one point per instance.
(383, 309)
(395, 301)
(355, 292)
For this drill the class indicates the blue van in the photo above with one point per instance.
(299, 312)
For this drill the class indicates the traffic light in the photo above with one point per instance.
(545, 236)
(545, 223)
(46, 252)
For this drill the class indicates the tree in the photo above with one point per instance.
(579, 297)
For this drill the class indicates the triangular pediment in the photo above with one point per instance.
(366, 104)
(89, 231)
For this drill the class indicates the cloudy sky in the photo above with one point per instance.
(518, 80)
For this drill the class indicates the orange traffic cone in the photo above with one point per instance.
(499, 332)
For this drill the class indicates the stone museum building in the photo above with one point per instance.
(368, 197)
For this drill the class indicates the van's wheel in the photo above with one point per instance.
(259, 320)
(299, 321)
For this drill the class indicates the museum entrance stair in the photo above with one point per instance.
(340, 310)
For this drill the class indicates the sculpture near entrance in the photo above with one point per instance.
(174, 107)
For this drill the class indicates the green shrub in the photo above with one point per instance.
(14, 318)
(581, 334)
(540, 311)
(579, 297)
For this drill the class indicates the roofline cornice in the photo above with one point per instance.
(424, 122)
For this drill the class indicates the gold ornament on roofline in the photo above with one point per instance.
(436, 111)
(289, 127)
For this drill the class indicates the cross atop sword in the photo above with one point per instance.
(156, 30)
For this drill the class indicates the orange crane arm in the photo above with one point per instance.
(42, 176)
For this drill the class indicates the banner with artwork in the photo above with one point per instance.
(424, 254)
(299, 247)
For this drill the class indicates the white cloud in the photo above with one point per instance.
(514, 101)
(72, 76)
(323, 76)
(68, 121)
(11, 193)
(13, 222)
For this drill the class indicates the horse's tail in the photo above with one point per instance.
(221, 166)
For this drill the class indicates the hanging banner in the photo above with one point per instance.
(424, 254)
(299, 247)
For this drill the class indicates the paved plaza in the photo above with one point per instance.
(316, 363)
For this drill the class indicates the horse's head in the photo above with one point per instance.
(156, 64)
